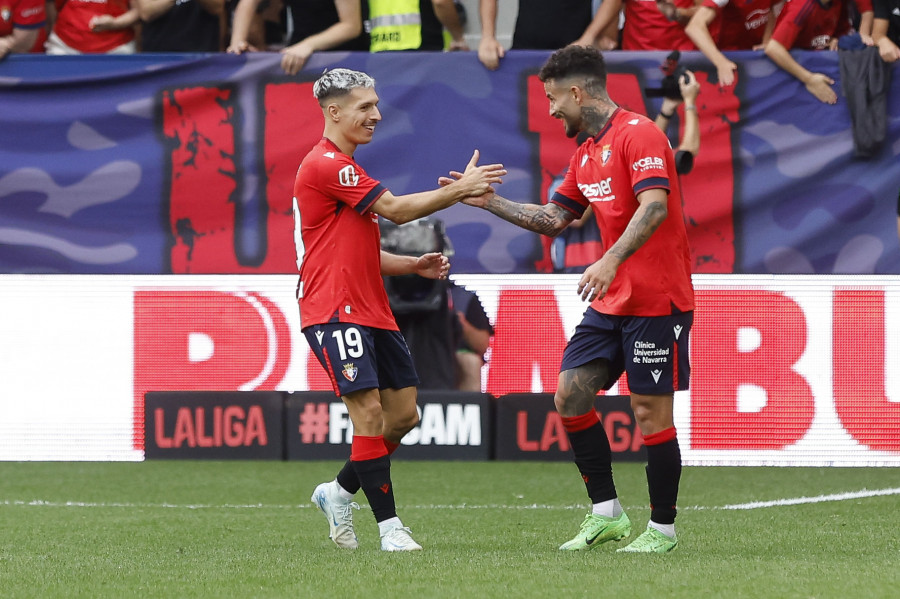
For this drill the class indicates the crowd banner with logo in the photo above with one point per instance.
(453, 425)
(183, 164)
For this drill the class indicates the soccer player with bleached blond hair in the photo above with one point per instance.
(344, 309)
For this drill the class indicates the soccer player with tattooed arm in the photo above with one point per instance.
(344, 309)
(640, 290)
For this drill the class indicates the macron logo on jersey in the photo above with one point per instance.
(347, 176)
(329, 155)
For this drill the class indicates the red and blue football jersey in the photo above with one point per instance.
(338, 241)
(631, 155)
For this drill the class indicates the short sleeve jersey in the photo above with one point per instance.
(809, 24)
(741, 23)
(631, 155)
(889, 10)
(339, 245)
(21, 14)
(73, 25)
(646, 28)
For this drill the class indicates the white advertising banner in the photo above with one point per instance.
(786, 370)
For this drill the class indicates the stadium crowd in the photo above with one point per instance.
(298, 28)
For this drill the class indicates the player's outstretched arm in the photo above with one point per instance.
(474, 181)
(546, 219)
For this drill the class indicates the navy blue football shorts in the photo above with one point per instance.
(357, 357)
(653, 350)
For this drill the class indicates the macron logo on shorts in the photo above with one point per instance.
(319, 336)
(656, 374)
(678, 328)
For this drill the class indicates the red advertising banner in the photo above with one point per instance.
(786, 370)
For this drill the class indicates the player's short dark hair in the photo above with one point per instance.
(577, 61)
(339, 82)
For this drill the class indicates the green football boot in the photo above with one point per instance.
(650, 541)
(596, 530)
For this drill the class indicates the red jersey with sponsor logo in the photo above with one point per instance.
(23, 14)
(740, 23)
(338, 241)
(631, 155)
(809, 24)
(646, 28)
(73, 25)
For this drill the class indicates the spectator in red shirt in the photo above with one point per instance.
(94, 27)
(21, 24)
(722, 25)
(808, 25)
(648, 25)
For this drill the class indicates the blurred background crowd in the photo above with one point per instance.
(297, 28)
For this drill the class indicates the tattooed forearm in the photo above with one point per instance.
(546, 219)
(646, 220)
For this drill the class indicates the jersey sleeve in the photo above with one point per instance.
(863, 5)
(29, 14)
(646, 154)
(882, 9)
(568, 195)
(348, 183)
(790, 22)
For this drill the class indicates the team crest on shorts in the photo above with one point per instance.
(350, 372)
(605, 154)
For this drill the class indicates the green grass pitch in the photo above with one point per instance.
(187, 529)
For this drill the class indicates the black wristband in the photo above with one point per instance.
(667, 116)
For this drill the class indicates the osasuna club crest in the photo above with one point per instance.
(350, 372)
(605, 154)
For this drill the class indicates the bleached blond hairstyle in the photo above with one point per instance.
(339, 82)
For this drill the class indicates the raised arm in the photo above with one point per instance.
(475, 181)
(546, 219)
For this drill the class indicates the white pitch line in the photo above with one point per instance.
(817, 499)
(462, 506)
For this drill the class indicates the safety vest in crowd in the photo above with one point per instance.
(395, 25)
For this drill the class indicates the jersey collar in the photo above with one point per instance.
(607, 126)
